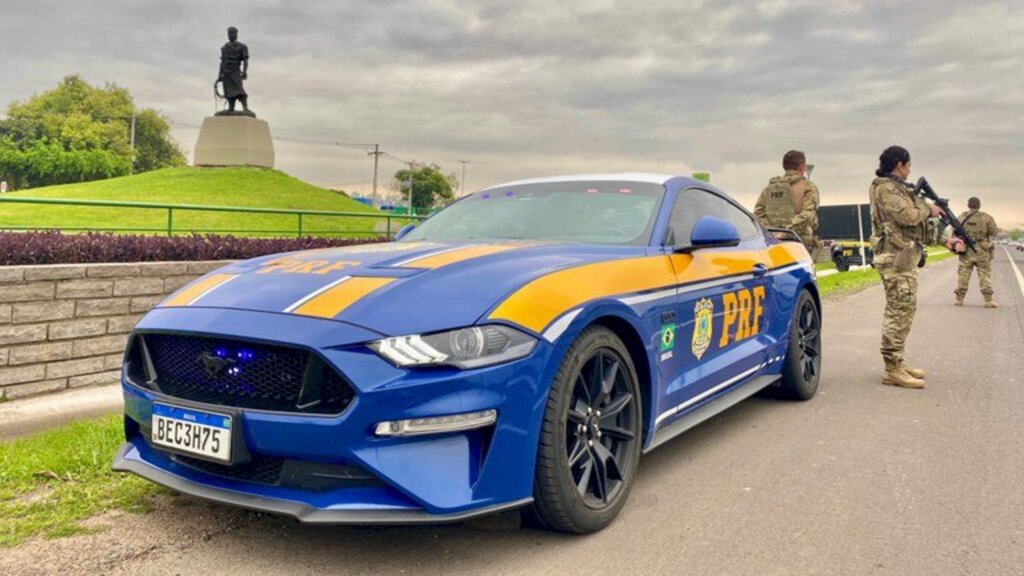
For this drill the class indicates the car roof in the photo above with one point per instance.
(619, 177)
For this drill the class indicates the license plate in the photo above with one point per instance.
(847, 252)
(191, 431)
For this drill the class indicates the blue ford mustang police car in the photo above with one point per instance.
(522, 347)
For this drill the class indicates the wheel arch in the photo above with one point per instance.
(634, 343)
(812, 287)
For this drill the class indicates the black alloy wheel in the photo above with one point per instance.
(801, 369)
(590, 439)
(809, 340)
(600, 429)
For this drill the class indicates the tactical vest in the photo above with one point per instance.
(887, 235)
(975, 222)
(779, 204)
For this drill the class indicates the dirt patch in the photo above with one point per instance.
(116, 537)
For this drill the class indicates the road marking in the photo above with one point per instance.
(1016, 271)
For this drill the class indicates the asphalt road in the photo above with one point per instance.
(863, 479)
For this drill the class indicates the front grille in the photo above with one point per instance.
(237, 374)
(300, 474)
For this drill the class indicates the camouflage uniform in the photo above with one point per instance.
(898, 219)
(982, 229)
(791, 201)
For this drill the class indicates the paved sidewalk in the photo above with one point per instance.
(29, 415)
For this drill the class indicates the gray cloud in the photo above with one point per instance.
(538, 87)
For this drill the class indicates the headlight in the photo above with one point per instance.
(464, 348)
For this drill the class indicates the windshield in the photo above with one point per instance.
(599, 212)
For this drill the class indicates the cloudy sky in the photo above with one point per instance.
(544, 87)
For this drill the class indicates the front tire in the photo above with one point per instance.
(801, 369)
(590, 439)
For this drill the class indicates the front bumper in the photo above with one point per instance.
(129, 459)
(437, 478)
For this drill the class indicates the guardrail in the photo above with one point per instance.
(170, 210)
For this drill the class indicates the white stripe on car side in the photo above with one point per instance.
(558, 327)
(673, 411)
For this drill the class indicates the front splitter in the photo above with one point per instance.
(298, 510)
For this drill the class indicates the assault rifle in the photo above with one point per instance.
(924, 190)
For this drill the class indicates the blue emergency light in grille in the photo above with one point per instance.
(237, 374)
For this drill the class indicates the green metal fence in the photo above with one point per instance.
(169, 229)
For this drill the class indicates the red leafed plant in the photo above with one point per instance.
(53, 247)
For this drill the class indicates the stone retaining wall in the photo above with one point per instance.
(65, 326)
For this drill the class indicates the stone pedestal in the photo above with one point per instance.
(234, 141)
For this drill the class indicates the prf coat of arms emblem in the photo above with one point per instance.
(703, 313)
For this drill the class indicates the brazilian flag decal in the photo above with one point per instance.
(668, 337)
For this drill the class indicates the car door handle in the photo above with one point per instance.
(760, 270)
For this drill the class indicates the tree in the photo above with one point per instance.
(154, 148)
(430, 188)
(78, 132)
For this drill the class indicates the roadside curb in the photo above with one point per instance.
(37, 413)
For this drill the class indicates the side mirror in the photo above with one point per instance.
(711, 232)
(403, 231)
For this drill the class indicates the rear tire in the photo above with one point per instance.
(842, 265)
(801, 369)
(590, 438)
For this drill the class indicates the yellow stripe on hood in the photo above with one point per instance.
(333, 301)
(196, 290)
(447, 257)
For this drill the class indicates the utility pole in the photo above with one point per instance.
(131, 169)
(412, 168)
(376, 162)
(462, 183)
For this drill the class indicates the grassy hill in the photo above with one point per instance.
(250, 187)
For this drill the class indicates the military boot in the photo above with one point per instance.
(959, 301)
(991, 304)
(915, 372)
(895, 375)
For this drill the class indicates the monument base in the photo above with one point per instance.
(234, 141)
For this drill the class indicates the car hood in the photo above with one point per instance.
(391, 288)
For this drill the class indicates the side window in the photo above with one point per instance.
(693, 204)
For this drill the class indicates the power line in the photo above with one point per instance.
(372, 149)
(359, 145)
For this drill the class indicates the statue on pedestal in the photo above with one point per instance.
(234, 66)
(234, 137)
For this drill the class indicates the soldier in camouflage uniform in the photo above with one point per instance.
(898, 218)
(982, 230)
(791, 201)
